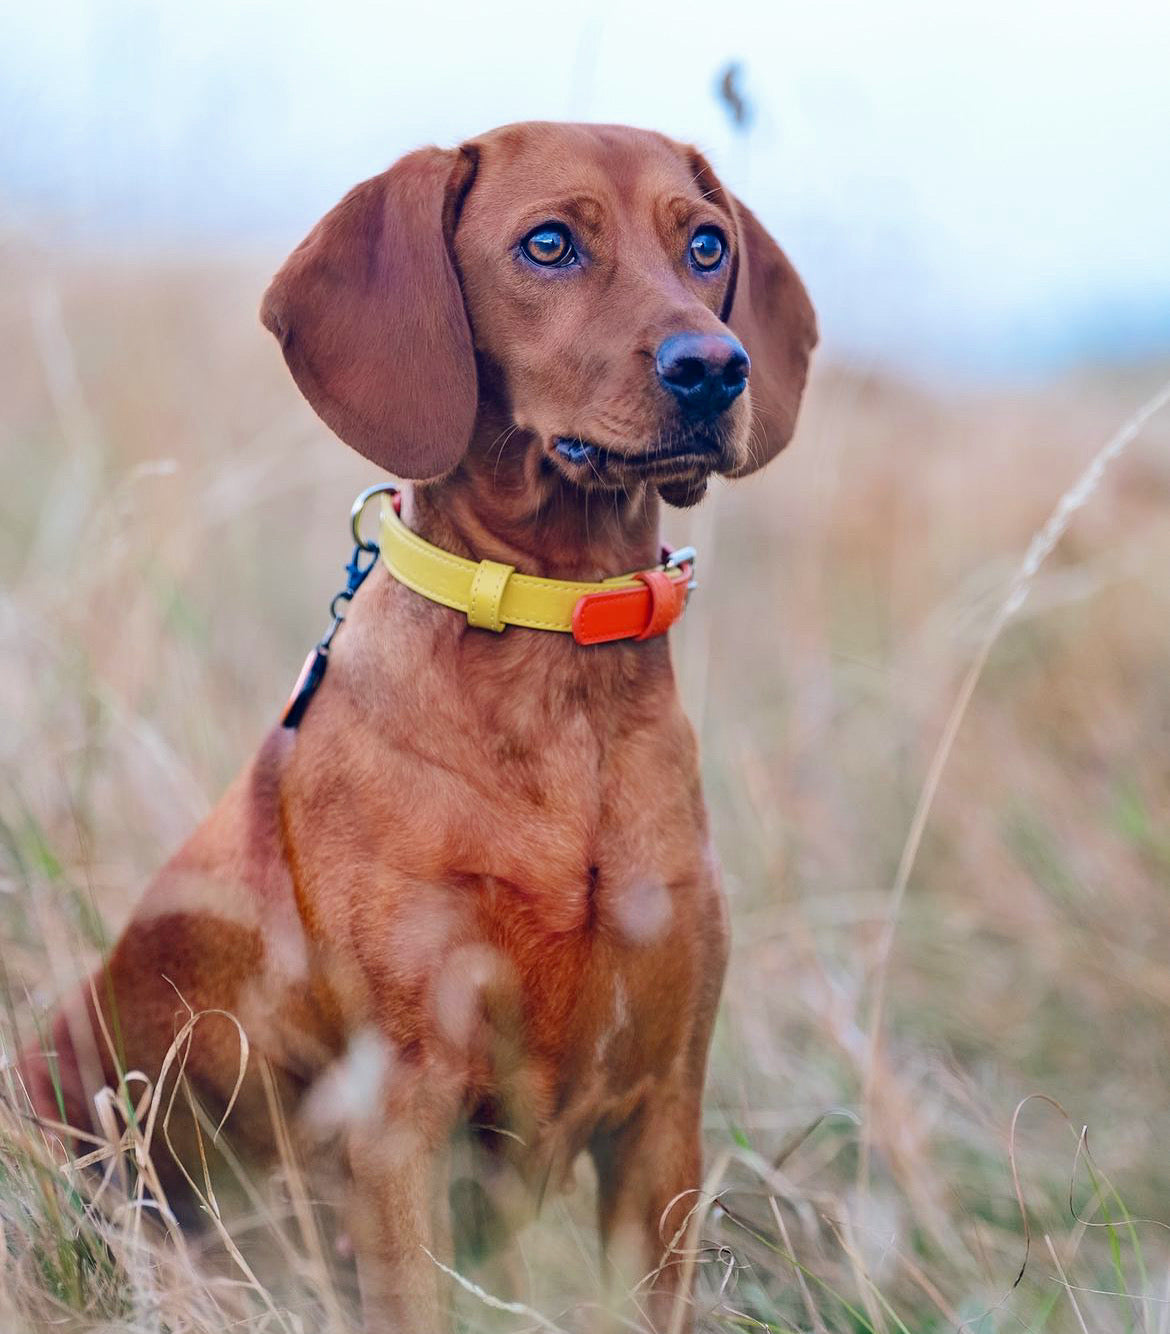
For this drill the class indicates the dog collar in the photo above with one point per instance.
(493, 595)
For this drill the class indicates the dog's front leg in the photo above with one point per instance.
(648, 1180)
(400, 1226)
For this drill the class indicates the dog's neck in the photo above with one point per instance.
(507, 503)
(514, 508)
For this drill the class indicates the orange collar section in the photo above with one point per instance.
(492, 595)
(610, 614)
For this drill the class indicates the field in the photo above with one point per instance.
(172, 522)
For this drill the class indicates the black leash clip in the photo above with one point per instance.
(313, 672)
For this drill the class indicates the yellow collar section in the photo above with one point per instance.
(492, 595)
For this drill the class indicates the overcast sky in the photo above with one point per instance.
(973, 186)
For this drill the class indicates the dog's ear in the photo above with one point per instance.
(769, 311)
(369, 313)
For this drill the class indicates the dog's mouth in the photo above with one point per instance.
(688, 456)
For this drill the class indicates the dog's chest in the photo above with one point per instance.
(544, 885)
(611, 975)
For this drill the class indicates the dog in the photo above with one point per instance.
(481, 855)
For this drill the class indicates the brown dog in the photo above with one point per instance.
(484, 857)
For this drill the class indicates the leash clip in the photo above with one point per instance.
(355, 575)
(313, 672)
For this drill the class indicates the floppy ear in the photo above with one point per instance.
(771, 314)
(369, 313)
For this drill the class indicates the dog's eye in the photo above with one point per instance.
(706, 248)
(550, 245)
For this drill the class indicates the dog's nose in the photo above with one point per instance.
(705, 372)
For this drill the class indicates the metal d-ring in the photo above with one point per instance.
(678, 558)
(355, 514)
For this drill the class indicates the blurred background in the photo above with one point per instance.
(978, 197)
(978, 187)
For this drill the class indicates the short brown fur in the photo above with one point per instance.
(488, 851)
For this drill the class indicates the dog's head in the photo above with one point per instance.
(594, 286)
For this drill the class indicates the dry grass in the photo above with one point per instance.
(171, 526)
